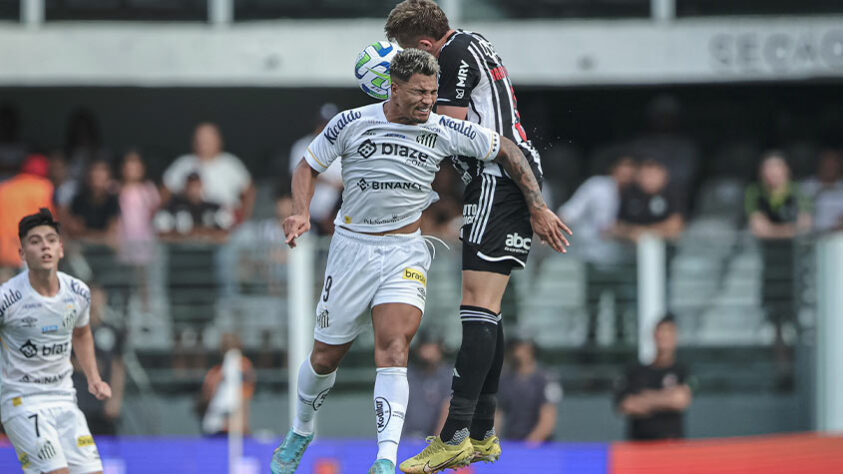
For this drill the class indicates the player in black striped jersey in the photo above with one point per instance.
(474, 85)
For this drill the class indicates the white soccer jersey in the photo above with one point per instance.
(36, 334)
(387, 167)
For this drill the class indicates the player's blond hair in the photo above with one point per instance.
(412, 19)
(412, 61)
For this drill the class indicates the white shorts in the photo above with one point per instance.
(51, 438)
(364, 271)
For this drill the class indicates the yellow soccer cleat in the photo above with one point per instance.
(438, 456)
(488, 450)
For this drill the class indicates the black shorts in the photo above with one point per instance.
(496, 233)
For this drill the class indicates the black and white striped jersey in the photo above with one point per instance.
(472, 75)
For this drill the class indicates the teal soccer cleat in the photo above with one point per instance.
(287, 456)
(382, 466)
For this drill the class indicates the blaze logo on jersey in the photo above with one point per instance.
(427, 139)
(28, 349)
(367, 148)
(416, 275)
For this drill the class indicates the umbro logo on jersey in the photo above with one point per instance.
(427, 139)
(367, 148)
(29, 350)
(29, 322)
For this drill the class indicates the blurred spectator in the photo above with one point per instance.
(654, 397)
(215, 404)
(825, 190)
(429, 378)
(528, 396)
(775, 207)
(65, 186)
(777, 212)
(665, 143)
(189, 216)
(103, 415)
(139, 200)
(94, 213)
(24, 194)
(328, 188)
(650, 205)
(12, 148)
(593, 209)
(228, 183)
(256, 250)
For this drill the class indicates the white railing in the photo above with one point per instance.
(829, 366)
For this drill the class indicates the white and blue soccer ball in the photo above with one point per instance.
(372, 68)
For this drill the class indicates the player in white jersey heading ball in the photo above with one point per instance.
(44, 315)
(378, 259)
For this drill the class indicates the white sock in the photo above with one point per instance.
(313, 388)
(391, 394)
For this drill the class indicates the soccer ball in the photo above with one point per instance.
(372, 68)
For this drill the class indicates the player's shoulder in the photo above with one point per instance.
(75, 286)
(446, 125)
(12, 292)
(457, 45)
(350, 119)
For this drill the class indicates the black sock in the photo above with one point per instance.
(475, 357)
(483, 423)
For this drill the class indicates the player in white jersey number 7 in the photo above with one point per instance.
(44, 314)
(378, 259)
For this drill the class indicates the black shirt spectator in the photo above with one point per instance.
(660, 424)
(650, 205)
(654, 397)
(95, 213)
(643, 208)
(189, 215)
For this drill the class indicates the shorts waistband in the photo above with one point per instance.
(378, 239)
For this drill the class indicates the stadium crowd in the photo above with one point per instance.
(115, 216)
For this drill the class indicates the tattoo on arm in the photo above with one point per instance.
(518, 168)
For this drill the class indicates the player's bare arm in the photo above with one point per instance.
(83, 347)
(545, 223)
(304, 181)
(452, 111)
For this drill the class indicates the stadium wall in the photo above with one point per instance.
(321, 53)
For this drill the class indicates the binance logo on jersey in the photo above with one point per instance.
(416, 275)
(367, 148)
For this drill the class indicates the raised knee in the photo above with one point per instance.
(393, 353)
(323, 362)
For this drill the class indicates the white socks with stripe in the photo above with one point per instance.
(391, 395)
(312, 390)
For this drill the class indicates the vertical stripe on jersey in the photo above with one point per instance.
(484, 208)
